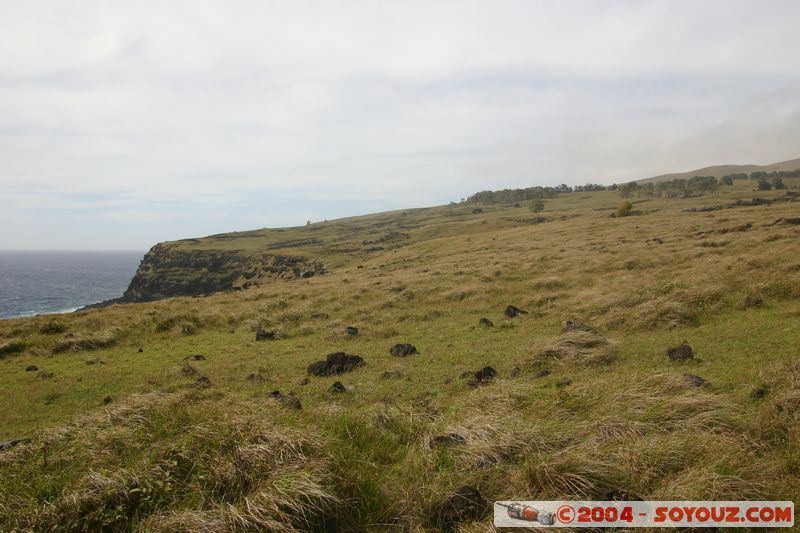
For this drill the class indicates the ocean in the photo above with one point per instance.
(59, 282)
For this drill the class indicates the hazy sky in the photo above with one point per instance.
(127, 123)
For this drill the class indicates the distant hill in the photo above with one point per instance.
(722, 170)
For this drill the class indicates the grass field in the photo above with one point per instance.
(128, 439)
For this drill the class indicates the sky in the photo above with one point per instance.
(124, 124)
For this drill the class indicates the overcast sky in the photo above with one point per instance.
(123, 124)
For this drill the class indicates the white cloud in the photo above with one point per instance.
(211, 114)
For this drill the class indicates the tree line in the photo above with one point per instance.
(677, 188)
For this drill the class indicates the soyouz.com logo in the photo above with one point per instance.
(643, 514)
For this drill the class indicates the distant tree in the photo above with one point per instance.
(727, 180)
(624, 209)
(763, 184)
(777, 183)
(308, 222)
(758, 174)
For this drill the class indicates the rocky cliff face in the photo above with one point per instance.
(173, 269)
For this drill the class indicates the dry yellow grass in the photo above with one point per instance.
(613, 418)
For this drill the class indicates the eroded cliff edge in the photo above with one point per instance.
(170, 269)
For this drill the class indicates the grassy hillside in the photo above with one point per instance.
(721, 170)
(128, 434)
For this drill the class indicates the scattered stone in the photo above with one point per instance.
(255, 378)
(572, 325)
(264, 335)
(44, 375)
(512, 311)
(290, 402)
(141, 350)
(336, 363)
(195, 357)
(759, 393)
(351, 331)
(447, 439)
(486, 373)
(337, 388)
(31, 368)
(542, 373)
(7, 445)
(682, 352)
(305, 381)
(392, 374)
(403, 350)
(203, 382)
(466, 504)
(563, 382)
(695, 381)
(107, 400)
(320, 368)
(486, 323)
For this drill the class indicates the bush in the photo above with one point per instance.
(11, 348)
(764, 185)
(537, 205)
(624, 209)
(85, 344)
(52, 328)
(777, 183)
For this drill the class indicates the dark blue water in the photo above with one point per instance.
(58, 282)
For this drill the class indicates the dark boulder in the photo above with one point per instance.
(141, 350)
(31, 368)
(403, 350)
(351, 331)
(484, 376)
(512, 311)
(320, 368)
(759, 393)
(682, 352)
(485, 323)
(466, 504)
(336, 363)
(264, 335)
(107, 400)
(486, 373)
(337, 388)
